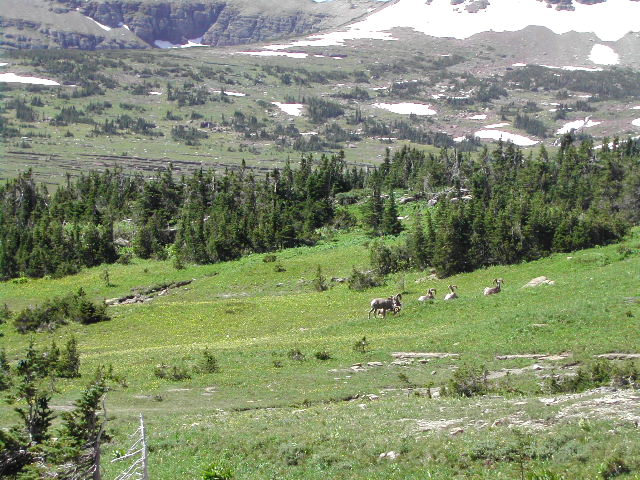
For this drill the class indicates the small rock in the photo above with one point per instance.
(390, 455)
(372, 397)
(433, 372)
(375, 364)
(456, 431)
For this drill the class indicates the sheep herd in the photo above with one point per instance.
(380, 306)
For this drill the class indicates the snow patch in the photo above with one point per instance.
(13, 78)
(570, 68)
(604, 55)
(497, 125)
(407, 108)
(519, 140)
(155, 93)
(194, 42)
(610, 21)
(577, 125)
(3, 64)
(294, 109)
(636, 122)
(632, 108)
(270, 53)
(103, 27)
(231, 94)
(477, 117)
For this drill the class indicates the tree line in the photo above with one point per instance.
(495, 207)
(502, 207)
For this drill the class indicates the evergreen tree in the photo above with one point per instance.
(418, 245)
(390, 225)
(69, 363)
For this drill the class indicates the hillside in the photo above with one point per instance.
(275, 409)
(133, 24)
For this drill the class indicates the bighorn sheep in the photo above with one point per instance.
(385, 304)
(496, 289)
(453, 294)
(431, 295)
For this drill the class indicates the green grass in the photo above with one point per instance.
(270, 416)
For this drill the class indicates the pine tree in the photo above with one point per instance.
(374, 208)
(390, 224)
(417, 244)
(69, 363)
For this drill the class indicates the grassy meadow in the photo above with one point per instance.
(275, 410)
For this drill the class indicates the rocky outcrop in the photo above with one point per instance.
(218, 23)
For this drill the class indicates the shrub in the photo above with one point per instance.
(269, 258)
(293, 454)
(361, 345)
(545, 475)
(5, 314)
(360, 280)
(467, 381)
(208, 363)
(171, 372)
(5, 371)
(59, 311)
(323, 355)
(598, 373)
(69, 364)
(319, 281)
(296, 354)
(278, 268)
(613, 467)
(216, 471)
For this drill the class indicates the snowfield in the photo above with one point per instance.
(610, 21)
(103, 27)
(636, 122)
(231, 94)
(13, 78)
(293, 109)
(194, 42)
(577, 125)
(519, 140)
(270, 53)
(603, 55)
(406, 108)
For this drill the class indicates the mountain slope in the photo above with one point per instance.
(134, 24)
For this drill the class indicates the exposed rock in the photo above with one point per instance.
(390, 455)
(619, 356)
(219, 22)
(416, 355)
(535, 356)
(539, 281)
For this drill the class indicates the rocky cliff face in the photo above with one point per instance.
(139, 23)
